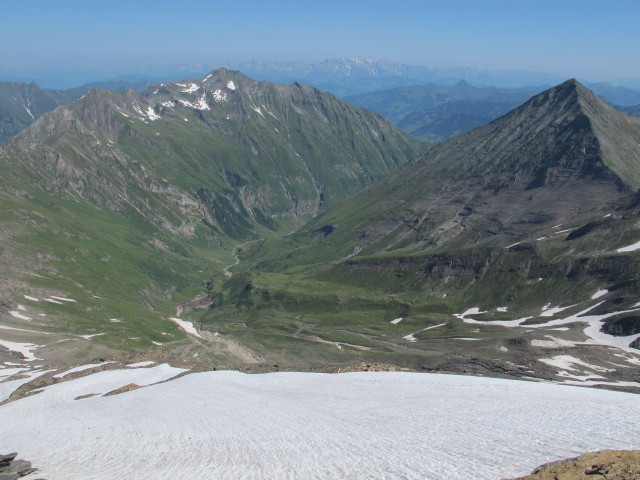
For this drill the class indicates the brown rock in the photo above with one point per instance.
(602, 465)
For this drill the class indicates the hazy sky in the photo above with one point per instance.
(599, 39)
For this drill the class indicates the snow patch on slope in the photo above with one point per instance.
(630, 248)
(152, 115)
(24, 349)
(599, 294)
(186, 326)
(201, 104)
(18, 315)
(219, 95)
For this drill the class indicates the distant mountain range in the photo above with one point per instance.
(430, 104)
(436, 112)
(344, 77)
(340, 76)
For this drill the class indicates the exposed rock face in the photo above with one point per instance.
(605, 464)
(200, 301)
(12, 469)
(622, 325)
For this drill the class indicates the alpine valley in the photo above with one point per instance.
(130, 203)
(230, 223)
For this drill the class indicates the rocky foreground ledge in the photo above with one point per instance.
(12, 469)
(602, 465)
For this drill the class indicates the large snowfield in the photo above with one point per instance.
(369, 425)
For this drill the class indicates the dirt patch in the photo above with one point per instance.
(126, 388)
(373, 367)
(602, 465)
(88, 395)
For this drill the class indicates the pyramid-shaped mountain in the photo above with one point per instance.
(562, 154)
(454, 261)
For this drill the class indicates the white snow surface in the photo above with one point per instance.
(25, 349)
(141, 364)
(29, 297)
(219, 95)
(51, 300)
(550, 312)
(567, 362)
(18, 315)
(434, 326)
(630, 248)
(395, 321)
(186, 326)
(553, 342)
(599, 294)
(594, 323)
(365, 425)
(152, 115)
(231, 85)
(79, 369)
(63, 299)
(258, 110)
(192, 87)
(7, 372)
(201, 104)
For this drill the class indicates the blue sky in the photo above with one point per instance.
(598, 39)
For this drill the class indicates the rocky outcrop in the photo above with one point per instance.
(605, 464)
(202, 301)
(12, 469)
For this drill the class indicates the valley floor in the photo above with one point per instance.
(161, 422)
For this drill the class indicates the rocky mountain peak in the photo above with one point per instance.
(563, 128)
(561, 154)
